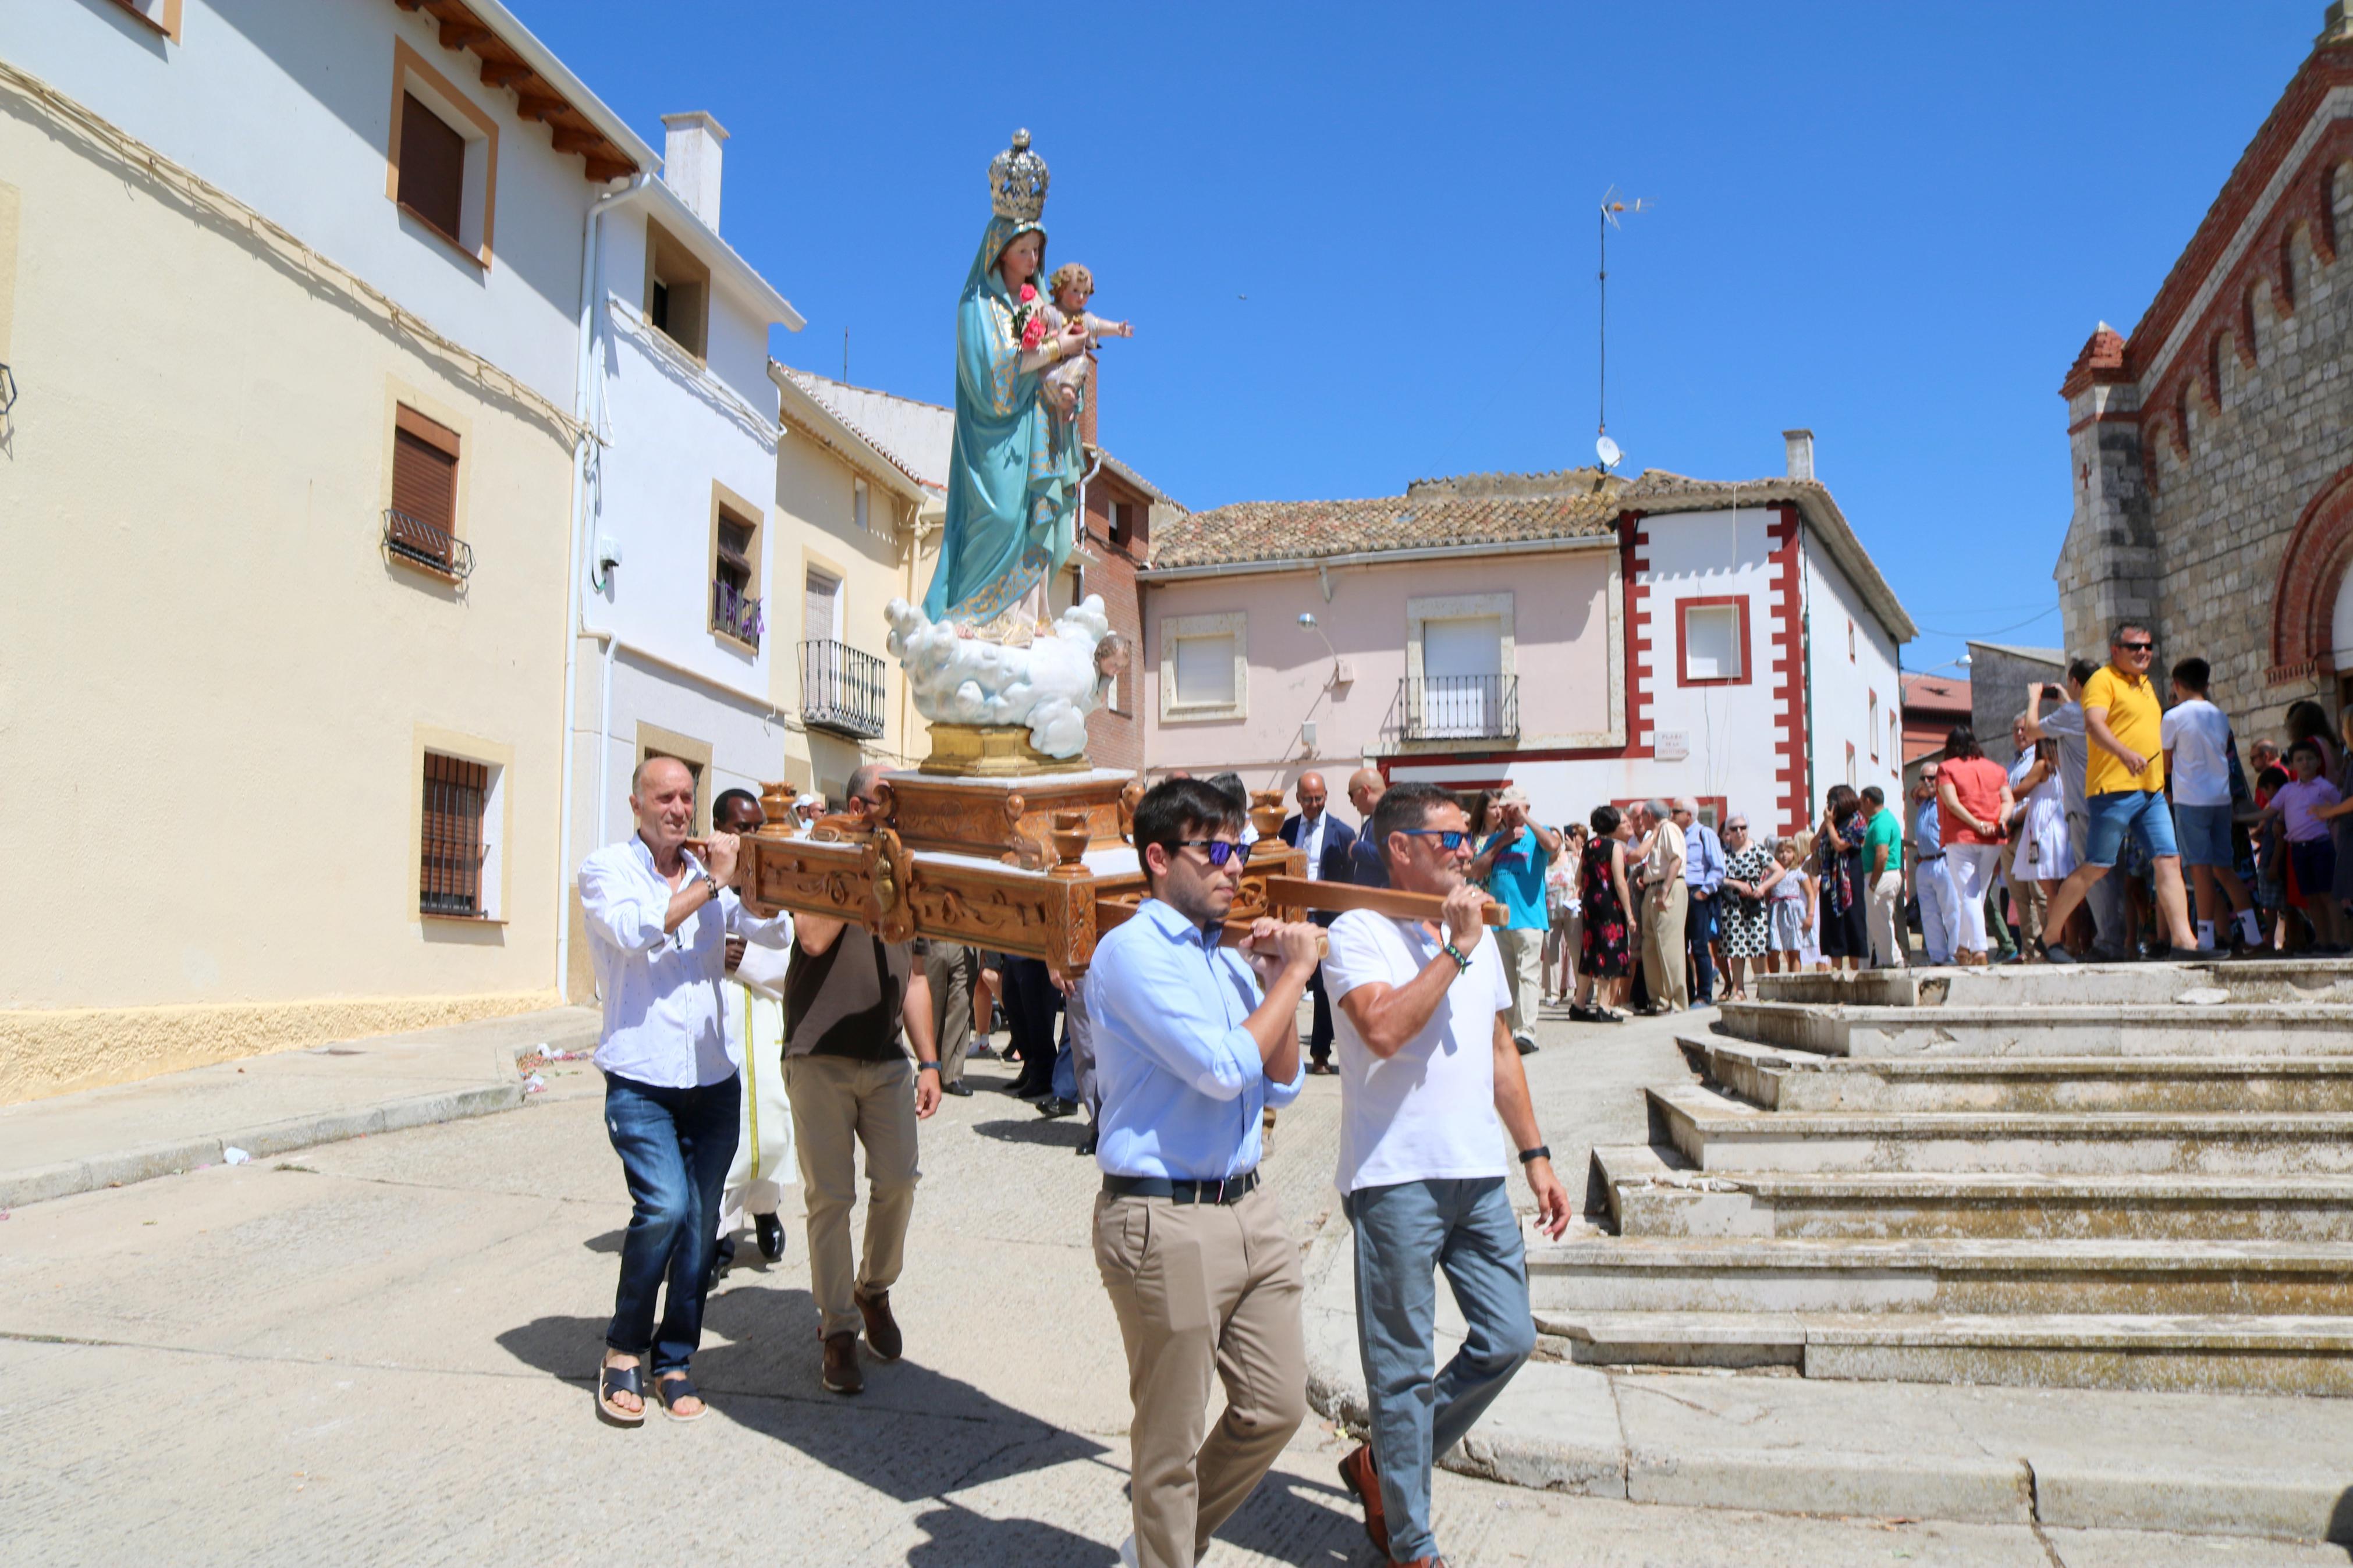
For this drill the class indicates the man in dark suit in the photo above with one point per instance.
(1327, 841)
(1367, 861)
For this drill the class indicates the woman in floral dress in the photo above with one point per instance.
(1608, 935)
(1749, 871)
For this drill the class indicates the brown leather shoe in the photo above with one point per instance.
(1360, 1476)
(882, 1336)
(843, 1374)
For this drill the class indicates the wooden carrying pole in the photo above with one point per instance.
(1289, 893)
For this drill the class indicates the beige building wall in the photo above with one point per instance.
(220, 688)
(816, 526)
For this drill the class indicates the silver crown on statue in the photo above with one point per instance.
(1016, 181)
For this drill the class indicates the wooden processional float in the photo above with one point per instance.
(1039, 864)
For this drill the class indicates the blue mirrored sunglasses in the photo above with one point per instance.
(1221, 850)
(1448, 837)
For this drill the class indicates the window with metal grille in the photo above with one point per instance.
(432, 168)
(457, 792)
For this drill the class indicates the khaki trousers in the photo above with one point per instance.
(2033, 902)
(837, 1104)
(1202, 1290)
(1522, 950)
(951, 970)
(1662, 946)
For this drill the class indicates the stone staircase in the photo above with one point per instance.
(2123, 1177)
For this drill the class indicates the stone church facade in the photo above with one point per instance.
(2212, 450)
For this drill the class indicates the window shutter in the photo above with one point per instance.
(1204, 669)
(432, 167)
(817, 613)
(424, 522)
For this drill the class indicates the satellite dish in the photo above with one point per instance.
(1607, 451)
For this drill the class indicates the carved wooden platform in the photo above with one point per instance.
(1037, 866)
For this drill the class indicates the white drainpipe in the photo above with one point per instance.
(586, 399)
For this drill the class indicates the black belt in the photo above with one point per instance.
(1924, 859)
(1233, 1189)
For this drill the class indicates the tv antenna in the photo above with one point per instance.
(1604, 447)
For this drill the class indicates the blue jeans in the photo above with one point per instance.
(2120, 812)
(675, 1146)
(1699, 929)
(1404, 1232)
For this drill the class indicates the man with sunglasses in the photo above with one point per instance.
(2123, 786)
(1193, 1040)
(1430, 1083)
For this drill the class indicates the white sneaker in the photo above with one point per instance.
(1127, 1553)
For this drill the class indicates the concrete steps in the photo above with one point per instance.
(2201, 1354)
(1716, 1132)
(2134, 1176)
(2053, 1030)
(2037, 984)
(1643, 1193)
(1642, 1274)
(1782, 1079)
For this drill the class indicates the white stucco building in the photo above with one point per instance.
(678, 633)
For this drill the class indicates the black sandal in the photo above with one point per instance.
(671, 1389)
(616, 1380)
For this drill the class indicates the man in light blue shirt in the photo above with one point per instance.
(1188, 1051)
(1704, 874)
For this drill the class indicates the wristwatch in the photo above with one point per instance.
(927, 1067)
(1530, 1156)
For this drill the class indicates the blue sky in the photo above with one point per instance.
(1358, 241)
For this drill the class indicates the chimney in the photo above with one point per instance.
(690, 163)
(1800, 445)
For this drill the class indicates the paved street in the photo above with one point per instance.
(382, 1351)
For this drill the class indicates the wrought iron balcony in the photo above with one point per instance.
(735, 613)
(841, 689)
(420, 543)
(1455, 708)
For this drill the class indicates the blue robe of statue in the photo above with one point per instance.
(1013, 481)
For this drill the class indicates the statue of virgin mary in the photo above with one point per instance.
(1013, 471)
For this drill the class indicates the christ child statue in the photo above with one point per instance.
(1069, 288)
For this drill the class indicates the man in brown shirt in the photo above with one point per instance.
(847, 996)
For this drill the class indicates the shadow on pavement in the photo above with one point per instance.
(1292, 1519)
(961, 1538)
(913, 1433)
(1062, 1132)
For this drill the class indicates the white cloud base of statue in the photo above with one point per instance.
(1047, 686)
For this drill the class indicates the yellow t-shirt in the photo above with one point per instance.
(2137, 721)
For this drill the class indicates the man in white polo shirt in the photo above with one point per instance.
(1429, 1083)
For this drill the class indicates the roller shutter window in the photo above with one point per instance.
(424, 523)
(432, 168)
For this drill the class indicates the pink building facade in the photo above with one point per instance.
(1584, 637)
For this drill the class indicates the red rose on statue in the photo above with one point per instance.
(1034, 333)
(1028, 292)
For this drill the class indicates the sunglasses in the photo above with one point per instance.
(1220, 851)
(2136, 646)
(1448, 837)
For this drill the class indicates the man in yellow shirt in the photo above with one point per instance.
(2124, 790)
